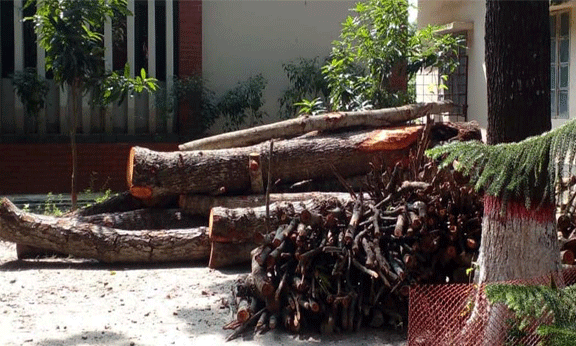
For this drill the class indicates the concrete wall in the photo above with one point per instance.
(439, 12)
(242, 38)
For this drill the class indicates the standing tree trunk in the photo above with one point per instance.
(518, 69)
(517, 243)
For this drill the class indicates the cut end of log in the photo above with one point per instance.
(141, 192)
(130, 167)
(210, 223)
(391, 139)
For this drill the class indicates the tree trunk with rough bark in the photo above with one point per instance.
(230, 254)
(109, 245)
(151, 174)
(516, 243)
(518, 69)
(324, 122)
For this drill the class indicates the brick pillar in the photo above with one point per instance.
(189, 56)
(189, 37)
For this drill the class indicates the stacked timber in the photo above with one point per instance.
(214, 194)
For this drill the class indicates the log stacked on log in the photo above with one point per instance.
(161, 184)
(344, 266)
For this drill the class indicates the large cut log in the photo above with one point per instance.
(324, 122)
(151, 174)
(149, 218)
(248, 224)
(69, 236)
(203, 204)
(230, 254)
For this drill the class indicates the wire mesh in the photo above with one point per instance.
(460, 314)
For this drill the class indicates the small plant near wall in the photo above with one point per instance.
(199, 100)
(117, 85)
(32, 90)
(306, 83)
(242, 104)
(310, 107)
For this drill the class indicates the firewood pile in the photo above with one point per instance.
(343, 266)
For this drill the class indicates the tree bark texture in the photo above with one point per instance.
(109, 245)
(516, 243)
(512, 242)
(149, 219)
(248, 224)
(519, 244)
(324, 122)
(152, 174)
(203, 204)
(518, 69)
(229, 254)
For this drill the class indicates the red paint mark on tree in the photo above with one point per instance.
(517, 210)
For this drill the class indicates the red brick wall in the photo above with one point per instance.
(43, 168)
(189, 37)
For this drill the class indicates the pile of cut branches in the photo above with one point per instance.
(343, 266)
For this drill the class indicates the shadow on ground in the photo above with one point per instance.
(82, 264)
(86, 338)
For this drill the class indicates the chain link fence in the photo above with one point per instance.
(460, 315)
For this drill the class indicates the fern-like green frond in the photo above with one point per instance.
(533, 302)
(528, 170)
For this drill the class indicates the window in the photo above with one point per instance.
(560, 64)
(433, 84)
(455, 85)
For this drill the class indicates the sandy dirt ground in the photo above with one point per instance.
(68, 302)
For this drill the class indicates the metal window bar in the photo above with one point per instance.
(429, 86)
(559, 64)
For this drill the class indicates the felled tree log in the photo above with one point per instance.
(248, 224)
(324, 122)
(153, 173)
(228, 254)
(69, 236)
(149, 219)
(115, 204)
(203, 204)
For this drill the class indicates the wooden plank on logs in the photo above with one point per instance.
(323, 122)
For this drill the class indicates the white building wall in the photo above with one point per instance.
(242, 38)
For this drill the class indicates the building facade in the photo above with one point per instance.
(467, 18)
(225, 41)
